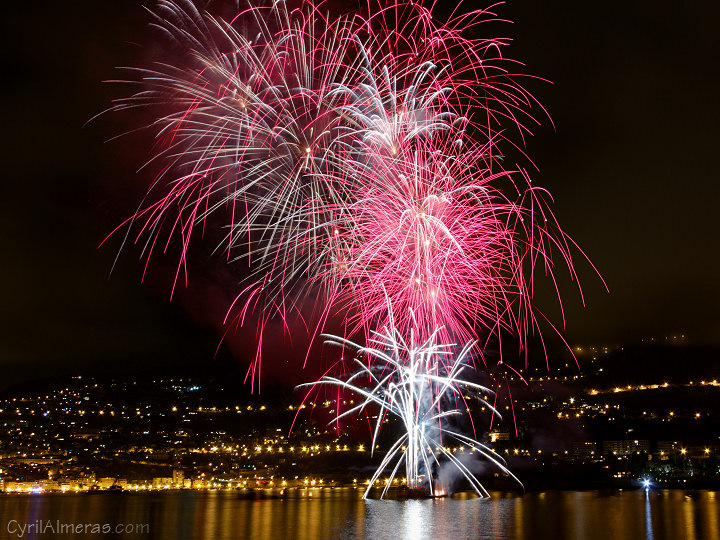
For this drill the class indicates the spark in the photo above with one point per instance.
(407, 379)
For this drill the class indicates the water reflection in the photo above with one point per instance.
(440, 518)
(415, 515)
(648, 517)
(341, 514)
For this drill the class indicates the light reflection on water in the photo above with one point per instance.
(341, 514)
(648, 517)
(441, 518)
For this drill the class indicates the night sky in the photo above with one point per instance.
(631, 164)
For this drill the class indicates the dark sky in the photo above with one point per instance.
(631, 165)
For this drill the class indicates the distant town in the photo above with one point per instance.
(642, 414)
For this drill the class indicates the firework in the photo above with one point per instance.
(422, 385)
(430, 231)
(317, 143)
(353, 162)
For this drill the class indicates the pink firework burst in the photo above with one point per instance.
(355, 160)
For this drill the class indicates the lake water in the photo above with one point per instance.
(341, 514)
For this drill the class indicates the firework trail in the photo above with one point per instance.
(421, 384)
(353, 163)
(431, 232)
(290, 138)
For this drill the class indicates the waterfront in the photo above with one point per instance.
(341, 514)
